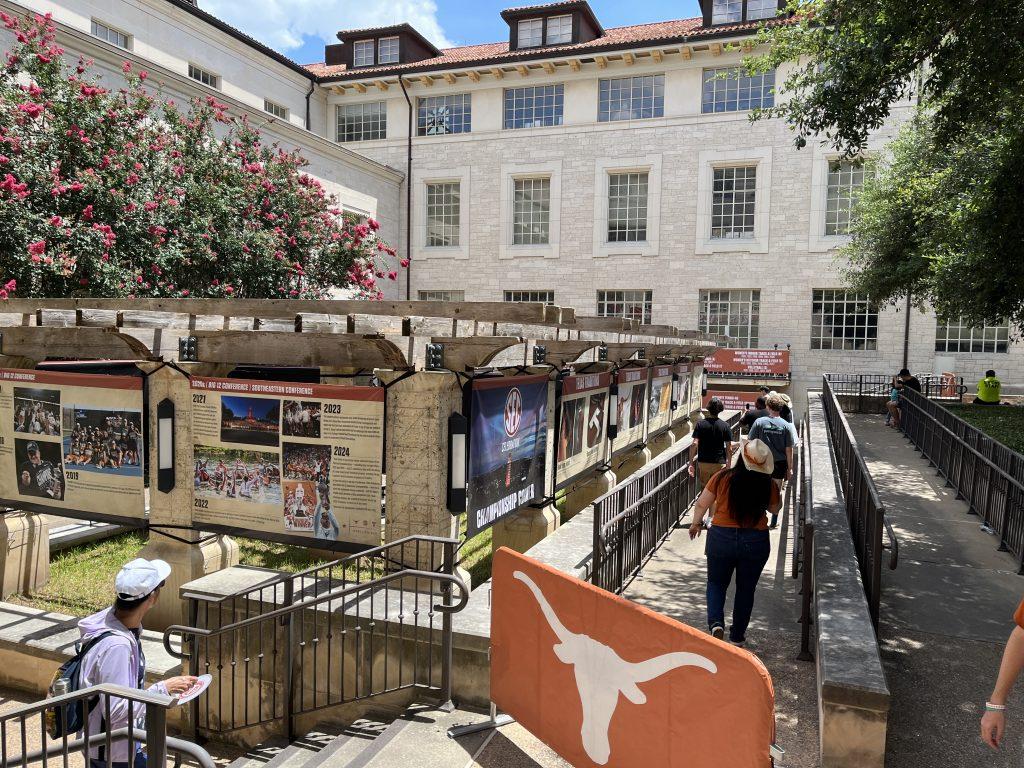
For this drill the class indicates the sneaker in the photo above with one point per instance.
(739, 643)
(774, 523)
(718, 632)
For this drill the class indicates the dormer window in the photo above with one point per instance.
(362, 53)
(762, 9)
(387, 50)
(727, 11)
(737, 11)
(531, 33)
(559, 30)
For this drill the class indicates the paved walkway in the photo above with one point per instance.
(946, 613)
(673, 583)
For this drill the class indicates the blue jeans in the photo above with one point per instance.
(745, 551)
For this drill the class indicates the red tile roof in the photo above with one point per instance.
(496, 53)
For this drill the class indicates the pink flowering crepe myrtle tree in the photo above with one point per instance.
(112, 193)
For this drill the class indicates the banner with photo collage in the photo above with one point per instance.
(684, 372)
(697, 384)
(632, 407)
(659, 411)
(508, 432)
(288, 461)
(582, 425)
(72, 441)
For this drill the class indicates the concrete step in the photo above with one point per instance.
(348, 745)
(278, 753)
(419, 739)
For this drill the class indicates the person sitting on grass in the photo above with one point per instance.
(989, 389)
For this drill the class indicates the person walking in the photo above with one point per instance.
(993, 722)
(712, 444)
(780, 436)
(738, 542)
(116, 657)
(753, 414)
(989, 389)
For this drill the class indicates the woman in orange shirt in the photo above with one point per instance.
(742, 497)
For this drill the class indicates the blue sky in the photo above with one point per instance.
(299, 28)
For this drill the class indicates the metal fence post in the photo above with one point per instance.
(288, 621)
(156, 736)
(448, 567)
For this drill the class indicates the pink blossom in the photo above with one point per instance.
(228, 289)
(374, 224)
(185, 292)
(404, 262)
(132, 179)
(151, 205)
(31, 109)
(56, 221)
(87, 213)
(38, 248)
(143, 75)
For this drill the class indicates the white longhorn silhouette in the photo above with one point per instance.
(601, 675)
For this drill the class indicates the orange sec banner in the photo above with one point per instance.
(606, 682)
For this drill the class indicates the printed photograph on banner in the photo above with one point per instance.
(661, 398)
(305, 461)
(595, 419)
(307, 509)
(634, 416)
(300, 419)
(37, 411)
(570, 433)
(250, 420)
(38, 468)
(102, 440)
(236, 474)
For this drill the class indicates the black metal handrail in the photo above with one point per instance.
(154, 735)
(633, 519)
(330, 635)
(987, 474)
(864, 508)
(877, 386)
(803, 536)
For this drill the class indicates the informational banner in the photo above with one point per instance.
(697, 384)
(659, 403)
(582, 425)
(72, 441)
(287, 460)
(733, 400)
(684, 372)
(508, 430)
(631, 407)
(606, 682)
(764, 363)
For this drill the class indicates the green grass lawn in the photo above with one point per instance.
(475, 555)
(1005, 423)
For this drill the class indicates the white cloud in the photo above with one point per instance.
(282, 24)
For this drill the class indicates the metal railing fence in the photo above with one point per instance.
(861, 387)
(27, 724)
(801, 504)
(986, 474)
(864, 508)
(635, 517)
(349, 630)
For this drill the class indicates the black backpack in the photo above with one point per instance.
(69, 719)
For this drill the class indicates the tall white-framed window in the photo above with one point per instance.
(631, 98)
(845, 181)
(956, 336)
(627, 207)
(530, 33)
(726, 11)
(275, 109)
(437, 115)
(444, 204)
(762, 9)
(843, 319)
(531, 211)
(559, 30)
(362, 53)
(729, 89)
(442, 295)
(535, 297)
(534, 106)
(113, 36)
(388, 50)
(632, 304)
(367, 121)
(733, 202)
(204, 76)
(732, 313)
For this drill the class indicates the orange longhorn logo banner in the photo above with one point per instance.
(606, 682)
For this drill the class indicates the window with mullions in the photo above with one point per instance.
(842, 319)
(362, 53)
(559, 30)
(633, 304)
(275, 109)
(534, 106)
(444, 201)
(733, 202)
(362, 122)
(111, 35)
(956, 336)
(726, 11)
(541, 297)
(531, 211)
(531, 33)
(203, 76)
(845, 180)
(735, 314)
(730, 90)
(437, 115)
(631, 98)
(762, 9)
(627, 207)
(442, 295)
(387, 50)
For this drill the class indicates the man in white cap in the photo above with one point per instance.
(117, 659)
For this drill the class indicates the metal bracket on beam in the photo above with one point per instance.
(435, 357)
(188, 349)
(540, 354)
(602, 354)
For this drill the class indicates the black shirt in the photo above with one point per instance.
(751, 416)
(712, 435)
(43, 479)
(912, 383)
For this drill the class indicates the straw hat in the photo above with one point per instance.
(757, 456)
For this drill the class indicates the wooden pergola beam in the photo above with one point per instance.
(334, 350)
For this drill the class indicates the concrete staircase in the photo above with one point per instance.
(417, 739)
